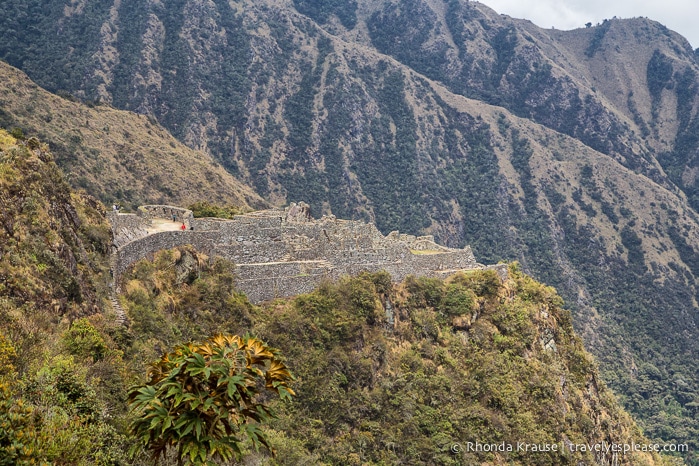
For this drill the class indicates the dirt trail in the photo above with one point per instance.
(161, 224)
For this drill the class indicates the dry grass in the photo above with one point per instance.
(6, 140)
(118, 156)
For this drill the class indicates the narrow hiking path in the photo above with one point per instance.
(161, 224)
(114, 290)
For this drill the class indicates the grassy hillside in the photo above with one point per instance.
(115, 155)
(390, 374)
(61, 380)
(384, 373)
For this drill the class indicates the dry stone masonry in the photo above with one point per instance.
(285, 252)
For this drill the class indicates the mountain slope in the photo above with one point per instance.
(60, 380)
(116, 156)
(384, 373)
(572, 152)
(411, 373)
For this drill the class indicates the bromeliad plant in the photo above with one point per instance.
(203, 399)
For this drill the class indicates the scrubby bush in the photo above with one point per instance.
(205, 209)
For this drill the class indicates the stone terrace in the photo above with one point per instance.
(285, 252)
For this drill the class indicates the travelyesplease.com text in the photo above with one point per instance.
(569, 447)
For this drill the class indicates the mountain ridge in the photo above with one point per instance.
(117, 156)
(591, 188)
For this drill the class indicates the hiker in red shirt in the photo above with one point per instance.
(183, 227)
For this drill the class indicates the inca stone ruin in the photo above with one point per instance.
(285, 252)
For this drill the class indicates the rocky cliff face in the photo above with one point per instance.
(572, 152)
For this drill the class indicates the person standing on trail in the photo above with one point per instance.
(174, 217)
(183, 227)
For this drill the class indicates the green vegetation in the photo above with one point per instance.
(403, 32)
(59, 66)
(377, 386)
(385, 373)
(299, 113)
(18, 435)
(116, 156)
(264, 90)
(631, 290)
(395, 193)
(62, 377)
(539, 253)
(680, 162)
(200, 397)
(321, 10)
(658, 75)
(523, 82)
(598, 34)
(205, 209)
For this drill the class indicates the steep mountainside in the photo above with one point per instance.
(59, 381)
(384, 373)
(404, 374)
(115, 155)
(573, 152)
(53, 240)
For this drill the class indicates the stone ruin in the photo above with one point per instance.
(285, 252)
